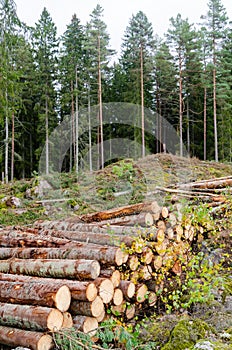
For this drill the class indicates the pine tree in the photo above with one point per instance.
(45, 45)
(97, 58)
(215, 23)
(165, 92)
(9, 26)
(72, 81)
(183, 41)
(137, 65)
(224, 93)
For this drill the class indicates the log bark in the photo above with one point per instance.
(105, 289)
(30, 317)
(90, 237)
(85, 324)
(80, 290)
(118, 212)
(71, 225)
(210, 183)
(35, 293)
(84, 308)
(19, 239)
(104, 254)
(17, 337)
(80, 269)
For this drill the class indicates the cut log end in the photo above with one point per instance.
(55, 320)
(141, 293)
(91, 292)
(87, 325)
(121, 257)
(45, 343)
(106, 290)
(101, 317)
(128, 288)
(118, 297)
(62, 298)
(67, 320)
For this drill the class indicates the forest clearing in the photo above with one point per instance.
(110, 277)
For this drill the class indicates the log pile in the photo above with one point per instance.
(60, 274)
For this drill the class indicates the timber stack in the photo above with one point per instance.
(67, 273)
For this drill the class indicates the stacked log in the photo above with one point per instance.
(66, 273)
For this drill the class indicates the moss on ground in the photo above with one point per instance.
(186, 333)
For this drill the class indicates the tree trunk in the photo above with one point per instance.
(100, 104)
(21, 239)
(80, 269)
(104, 254)
(6, 147)
(142, 101)
(205, 123)
(12, 147)
(114, 213)
(30, 317)
(47, 137)
(80, 290)
(90, 237)
(77, 126)
(210, 183)
(18, 337)
(35, 293)
(180, 105)
(90, 133)
(84, 308)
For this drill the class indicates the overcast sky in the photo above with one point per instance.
(116, 13)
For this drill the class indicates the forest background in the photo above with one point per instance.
(185, 77)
